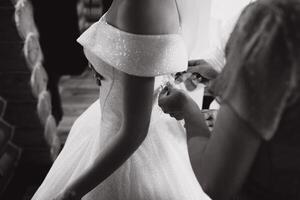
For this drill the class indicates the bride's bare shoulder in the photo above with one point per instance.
(144, 16)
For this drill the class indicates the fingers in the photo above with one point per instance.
(165, 100)
(164, 91)
(192, 63)
(162, 99)
(182, 78)
(207, 71)
(198, 68)
(189, 85)
(196, 65)
(170, 100)
(177, 116)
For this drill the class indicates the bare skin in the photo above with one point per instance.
(219, 159)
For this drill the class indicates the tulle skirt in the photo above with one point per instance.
(160, 169)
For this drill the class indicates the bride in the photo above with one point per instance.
(117, 149)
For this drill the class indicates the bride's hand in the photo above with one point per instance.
(67, 195)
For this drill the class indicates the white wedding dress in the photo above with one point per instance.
(160, 169)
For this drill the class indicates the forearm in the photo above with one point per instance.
(194, 122)
(196, 149)
(114, 154)
(198, 136)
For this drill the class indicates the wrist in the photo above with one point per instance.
(190, 109)
(195, 124)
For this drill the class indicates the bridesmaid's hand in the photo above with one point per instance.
(198, 72)
(203, 68)
(175, 102)
(171, 101)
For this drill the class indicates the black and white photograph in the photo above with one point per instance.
(149, 100)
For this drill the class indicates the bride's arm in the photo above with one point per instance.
(137, 102)
(137, 99)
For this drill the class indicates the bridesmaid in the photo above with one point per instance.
(253, 152)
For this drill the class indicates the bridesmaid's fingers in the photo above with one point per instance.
(189, 85)
(162, 103)
(202, 67)
(192, 63)
(177, 116)
(165, 91)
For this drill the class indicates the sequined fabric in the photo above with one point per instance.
(140, 55)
